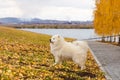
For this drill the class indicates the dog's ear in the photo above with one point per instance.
(58, 36)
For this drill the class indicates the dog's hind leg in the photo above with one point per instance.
(83, 67)
(80, 62)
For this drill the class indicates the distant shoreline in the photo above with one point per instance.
(52, 26)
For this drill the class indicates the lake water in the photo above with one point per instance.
(79, 34)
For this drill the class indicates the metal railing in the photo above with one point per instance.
(100, 38)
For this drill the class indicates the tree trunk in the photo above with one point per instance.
(110, 38)
(103, 39)
(119, 39)
(107, 38)
(114, 38)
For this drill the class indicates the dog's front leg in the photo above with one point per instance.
(57, 60)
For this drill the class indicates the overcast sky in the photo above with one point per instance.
(81, 10)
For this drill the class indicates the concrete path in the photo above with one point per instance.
(108, 58)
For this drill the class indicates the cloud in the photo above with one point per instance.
(9, 8)
(84, 4)
(48, 9)
(68, 13)
(59, 3)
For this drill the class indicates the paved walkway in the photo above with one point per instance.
(108, 58)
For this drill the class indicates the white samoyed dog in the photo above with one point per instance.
(62, 50)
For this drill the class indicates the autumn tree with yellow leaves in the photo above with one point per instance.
(107, 18)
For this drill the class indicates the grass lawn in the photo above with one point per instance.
(26, 56)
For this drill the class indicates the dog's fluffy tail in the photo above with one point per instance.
(82, 44)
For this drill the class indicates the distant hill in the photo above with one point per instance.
(14, 20)
(10, 20)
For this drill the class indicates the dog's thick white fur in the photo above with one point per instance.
(62, 50)
(82, 44)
